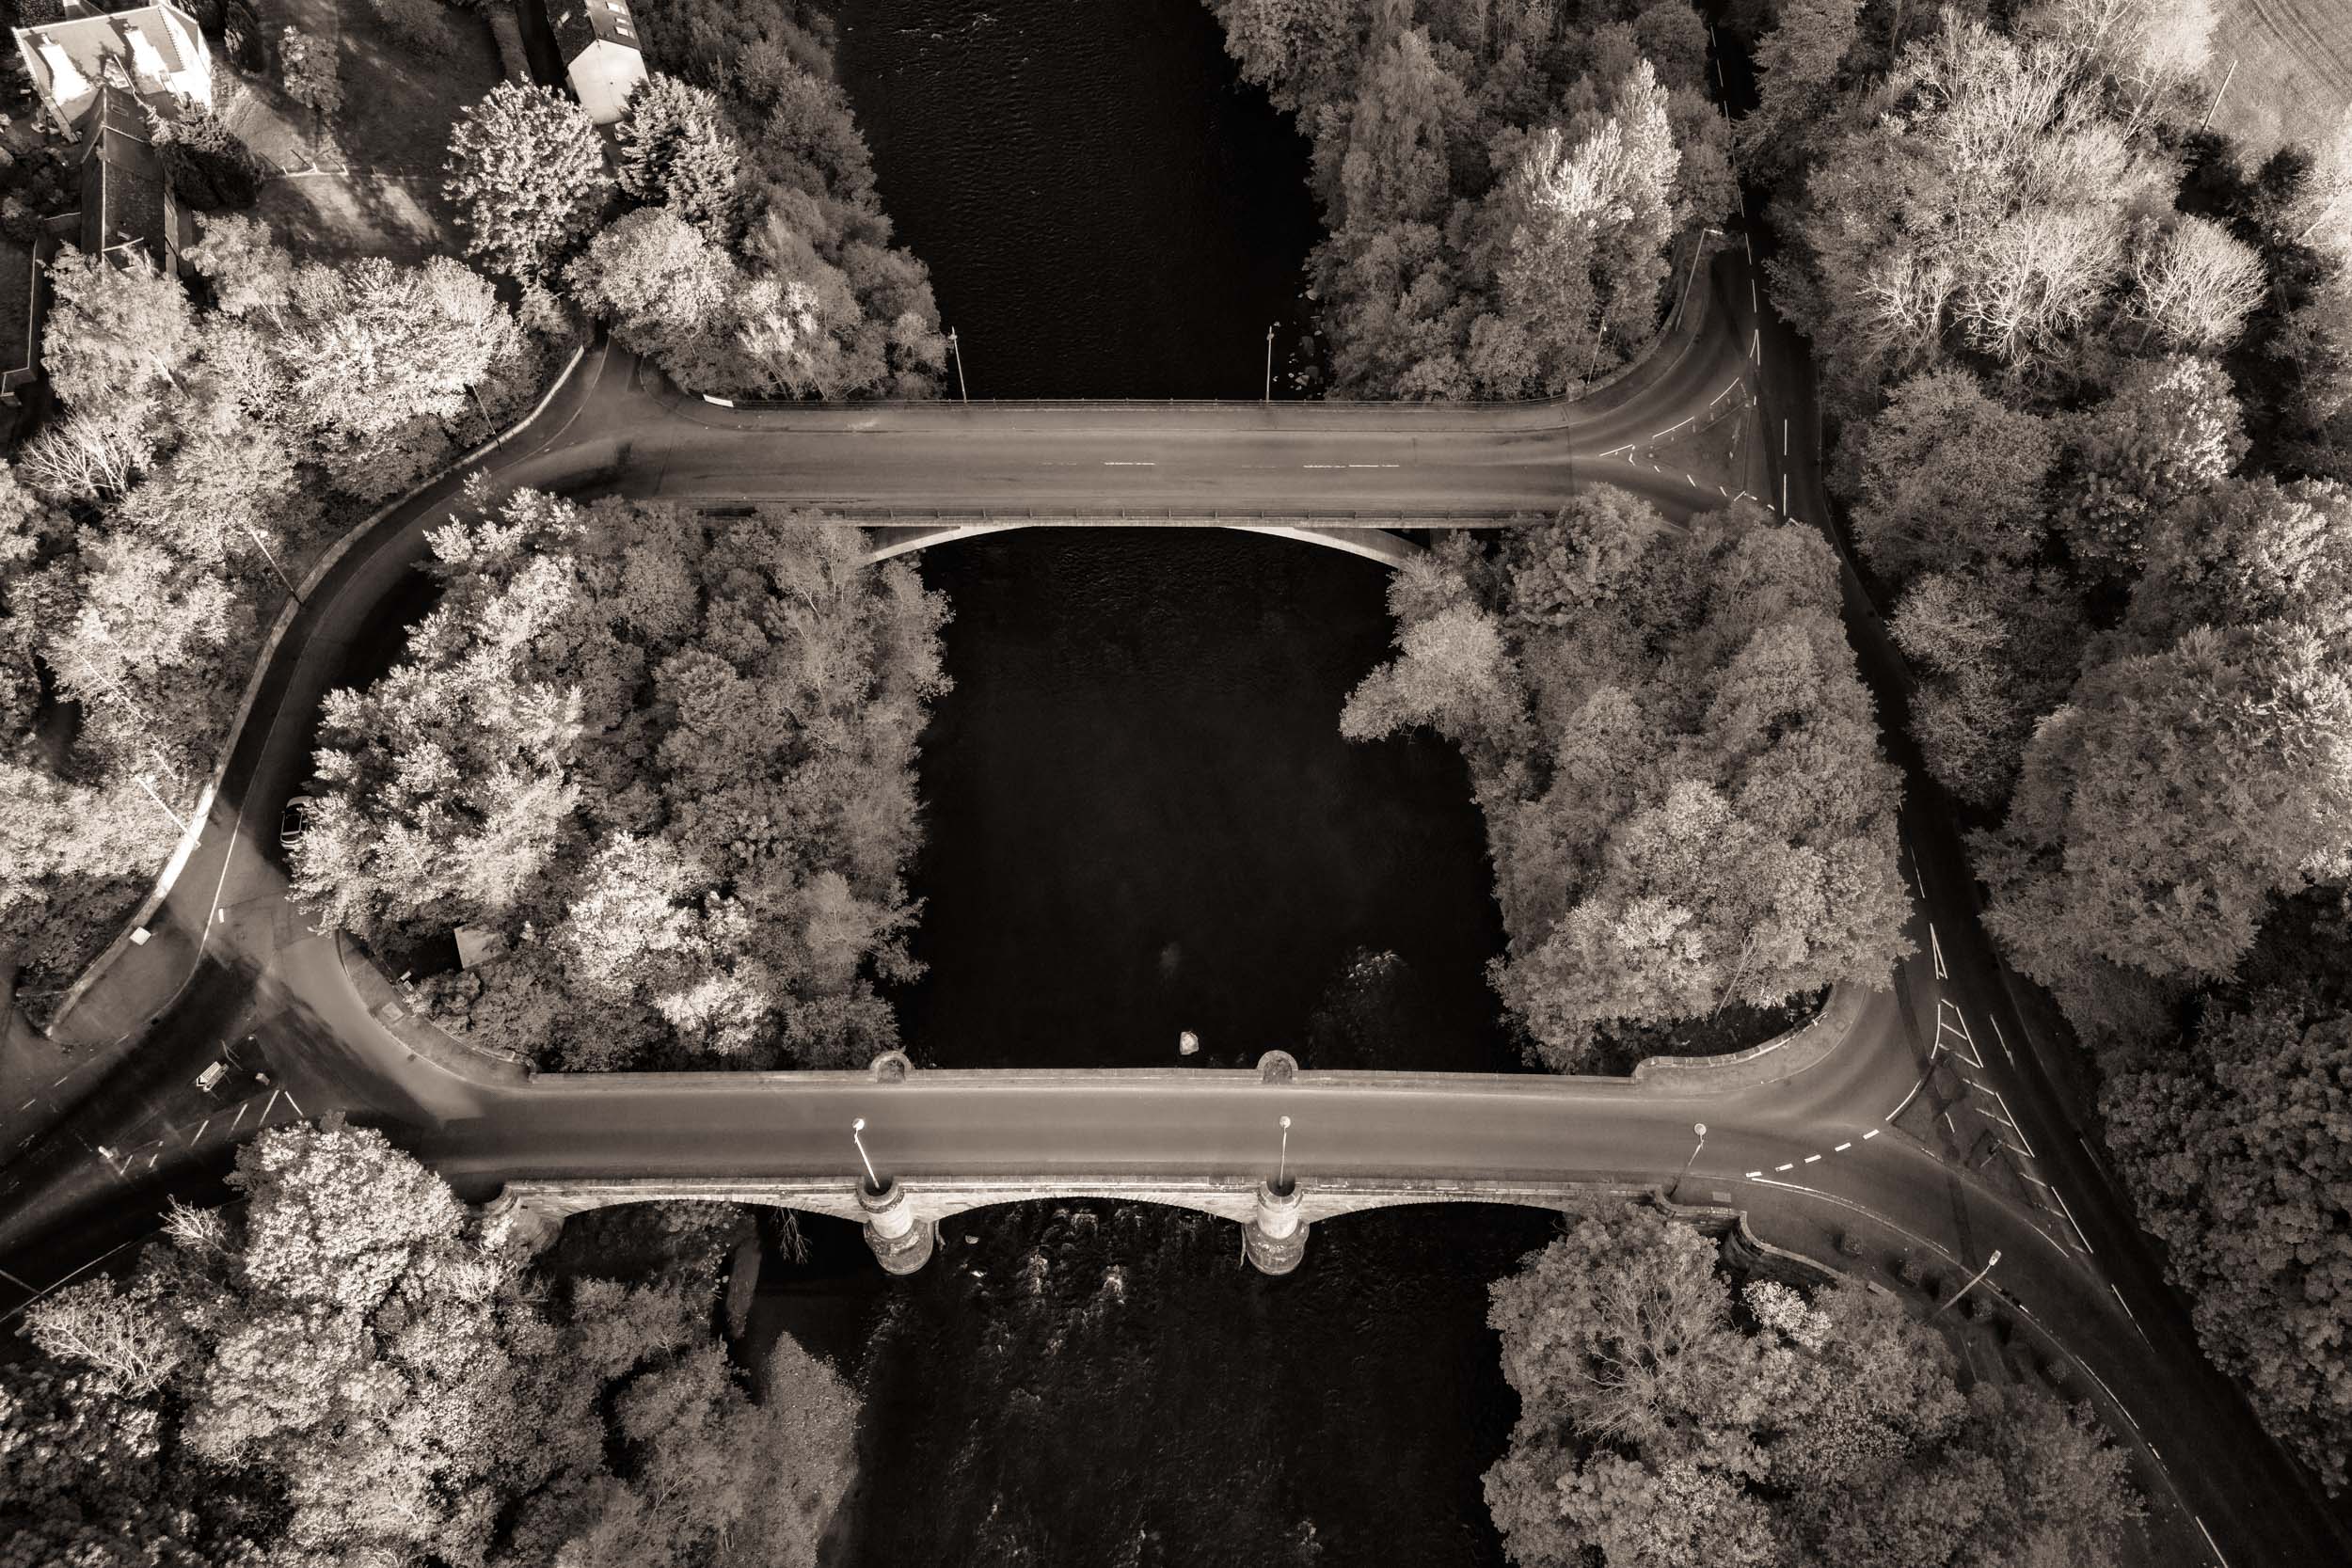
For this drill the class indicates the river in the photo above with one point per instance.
(1140, 818)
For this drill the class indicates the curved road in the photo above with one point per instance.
(228, 939)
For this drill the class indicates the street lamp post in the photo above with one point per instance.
(1269, 364)
(1697, 251)
(957, 349)
(263, 545)
(1700, 1128)
(1282, 1169)
(857, 1129)
(1970, 1286)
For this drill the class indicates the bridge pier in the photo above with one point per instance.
(902, 1241)
(1275, 1237)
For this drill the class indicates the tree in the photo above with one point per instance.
(667, 290)
(1992, 650)
(1973, 201)
(621, 825)
(2172, 429)
(2165, 804)
(125, 1336)
(1797, 66)
(117, 326)
(207, 165)
(674, 150)
(1667, 1418)
(1674, 755)
(2230, 1146)
(312, 74)
(1948, 477)
(2196, 285)
(527, 174)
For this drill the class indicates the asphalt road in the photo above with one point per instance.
(1821, 1135)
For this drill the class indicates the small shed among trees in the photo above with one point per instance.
(597, 40)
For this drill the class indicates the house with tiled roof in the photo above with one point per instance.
(602, 59)
(155, 53)
(127, 206)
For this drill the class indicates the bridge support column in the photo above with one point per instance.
(1277, 1237)
(898, 1239)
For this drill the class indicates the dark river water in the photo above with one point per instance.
(1141, 819)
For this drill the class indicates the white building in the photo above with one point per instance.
(597, 40)
(156, 51)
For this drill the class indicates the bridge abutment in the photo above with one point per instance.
(902, 1241)
(1275, 1237)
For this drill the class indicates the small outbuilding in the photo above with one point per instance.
(602, 60)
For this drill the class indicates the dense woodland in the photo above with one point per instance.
(733, 236)
(668, 760)
(1499, 183)
(2088, 367)
(199, 459)
(346, 1366)
(1677, 764)
(1668, 1417)
(209, 445)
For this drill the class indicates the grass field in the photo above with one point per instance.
(367, 179)
(2294, 72)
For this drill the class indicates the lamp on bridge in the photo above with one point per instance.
(857, 1130)
(1699, 1128)
(900, 1240)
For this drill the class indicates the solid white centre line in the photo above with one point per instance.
(2208, 1535)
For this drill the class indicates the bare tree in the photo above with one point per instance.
(2196, 285)
(2038, 277)
(121, 1334)
(90, 453)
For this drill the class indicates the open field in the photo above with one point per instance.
(367, 179)
(2294, 68)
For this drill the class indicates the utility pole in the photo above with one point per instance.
(957, 349)
(1970, 1286)
(263, 545)
(1700, 1128)
(148, 784)
(1269, 364)
(2218, 92)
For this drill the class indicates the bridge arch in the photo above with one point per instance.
(1383, 545)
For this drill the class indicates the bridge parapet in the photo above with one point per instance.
(533, 1211)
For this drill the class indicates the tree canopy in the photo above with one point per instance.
(1668, 1417)
(1677, 764)
(1501, 187)
(669, 758)
(353, 1368)
(153, 526)
(2233, 1148)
